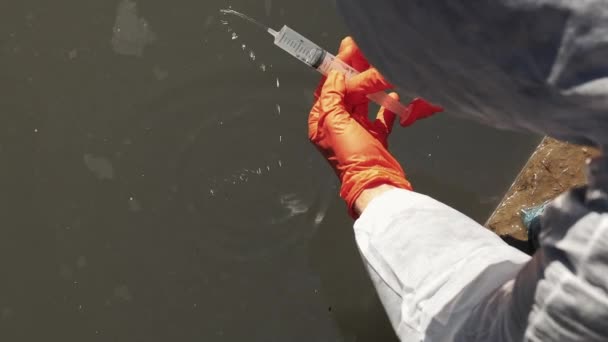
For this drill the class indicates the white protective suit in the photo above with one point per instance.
(535, 65)
(443, 277)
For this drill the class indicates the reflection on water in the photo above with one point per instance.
(131, 32)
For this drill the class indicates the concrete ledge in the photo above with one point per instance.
(552, 169)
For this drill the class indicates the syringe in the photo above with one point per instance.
(314, 56)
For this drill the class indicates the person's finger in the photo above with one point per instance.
(386, 119)
(317, 92)
(350, 54)
(366, 83)
(346, 43)
(313, 122)
(332, 98)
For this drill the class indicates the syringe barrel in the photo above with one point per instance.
(381, 98)
(314, 56)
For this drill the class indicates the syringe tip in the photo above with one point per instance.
(273, 32)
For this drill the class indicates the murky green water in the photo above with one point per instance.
(156, 182)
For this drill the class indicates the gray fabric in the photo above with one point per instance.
(562, 293)
(533, 65)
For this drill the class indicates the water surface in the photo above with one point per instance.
(157, 183)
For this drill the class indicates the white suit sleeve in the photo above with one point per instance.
(422, 255)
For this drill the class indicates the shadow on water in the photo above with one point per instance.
(345, 284)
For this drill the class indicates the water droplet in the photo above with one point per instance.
(81, 262)
(134, 205)
(122, 292)
(280, 138)
(279, 109)
(159, 73)
(208, 21)
(234, 35)
(243, 47)
(278, 83)
(263, 67)
(252, 55)
(73, 54)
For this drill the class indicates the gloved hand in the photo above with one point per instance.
(338, 125)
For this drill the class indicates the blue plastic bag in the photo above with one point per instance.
(531, 218)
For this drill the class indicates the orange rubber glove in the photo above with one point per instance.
(338, 125)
